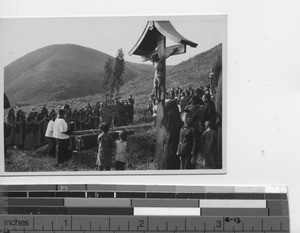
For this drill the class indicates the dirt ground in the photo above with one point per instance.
(140, 150)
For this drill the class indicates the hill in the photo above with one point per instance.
(60, 72)
(194, 72)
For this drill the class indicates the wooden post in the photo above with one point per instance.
(161, 45)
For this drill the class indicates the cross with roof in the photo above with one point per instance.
(152, 46)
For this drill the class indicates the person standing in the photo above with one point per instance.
(209, 147)
(131, 109)
(121, 157)
(38, 129)
(171, 125)
(19, 141)
(106, 144)
(44, 124)
(60, 132)
(29, 142)
(209, 112)
(188, 147)
(49, 136)
(11, 123)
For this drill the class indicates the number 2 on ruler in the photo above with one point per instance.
(141, 223)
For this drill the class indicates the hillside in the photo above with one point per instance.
(60, 72)
(193, 72)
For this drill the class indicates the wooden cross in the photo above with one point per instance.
(153, 41)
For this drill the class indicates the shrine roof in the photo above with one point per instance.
(148, 40)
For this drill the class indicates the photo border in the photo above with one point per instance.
(222, 171)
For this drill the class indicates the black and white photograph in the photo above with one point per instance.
(115, 95)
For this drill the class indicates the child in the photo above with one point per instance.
(209, 146)
(121, 157)
(188, 142)
(105, 149)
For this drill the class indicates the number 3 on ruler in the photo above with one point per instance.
(219, 224)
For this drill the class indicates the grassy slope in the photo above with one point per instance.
(193, 72)
(60, 72)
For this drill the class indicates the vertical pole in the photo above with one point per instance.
(161, 45)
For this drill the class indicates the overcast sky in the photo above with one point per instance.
(20, 36)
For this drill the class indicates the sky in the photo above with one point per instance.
(20, 36)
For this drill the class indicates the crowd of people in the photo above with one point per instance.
(191, 125)
(29, 130)
(182, 96)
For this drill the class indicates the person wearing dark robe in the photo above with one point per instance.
(74, 119)
(92, 118)
(196, 110)
(218, 103)
(188, 147)
(128, 113)
(87, 119)
(117, 113)
(183, 101)
(209, 112)
(38, 129)
(10, 123)
(131, 109)
(171, 125)
(96, 113)
(19, 140)
(81, 119)
(105, 147)
(209, 146)
(44, 124)
(29, 142)
(23, 126)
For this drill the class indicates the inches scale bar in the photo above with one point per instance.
(142, 208)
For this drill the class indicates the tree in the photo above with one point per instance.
(108, 67)
(119, 69)
(113, 79)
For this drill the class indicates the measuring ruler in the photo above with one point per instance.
(142, 208)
